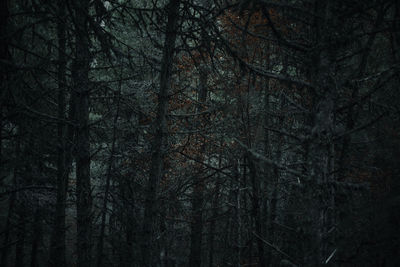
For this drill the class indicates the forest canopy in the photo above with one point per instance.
(199, 133)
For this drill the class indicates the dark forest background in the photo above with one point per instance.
(199, 133)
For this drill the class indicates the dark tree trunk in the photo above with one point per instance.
(57, 245)
(213, 223)
(21, 234)
(81, 87)
(256, 212)
(320, 195)
(156, 169)
(4, 55)
(12, 204)
(270, 183)
(107, 188)
(37, 236)
(196, 231)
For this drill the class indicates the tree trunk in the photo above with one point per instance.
(212, 228)
(320, 192)
(57, 246)
(107, 187)
(21, 234)
(256, 210)
(196, 232)
(12, 203)
(214, 214)
(81, 87)
(156, 168)
(4, 55)
(37, 236)
(270, 183)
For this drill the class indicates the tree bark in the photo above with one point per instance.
(11, 203)
(156, 169)
(4, 55)
(81, 87)
(57, 245)
(107, 187)
(21, 234)
(256, 210)
(320, 192)
(196, 232)
(214, 214)
(37, 236)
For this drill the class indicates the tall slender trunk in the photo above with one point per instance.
(238, 217)
(320, 191)
(196, 231)
(21, 234)
(4, 55)
(81, 87)
(11, 203)
(57, 246)
(256, 210)
(212, 226)
(130, 221)
(270, 184)
(156, 168)
(107, 187)
(37, 236)
(274, 180)
(214, 214)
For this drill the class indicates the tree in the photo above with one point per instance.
(81, 87)
(156, 168)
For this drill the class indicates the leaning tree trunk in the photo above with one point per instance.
(81, 87)
(156, 168)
